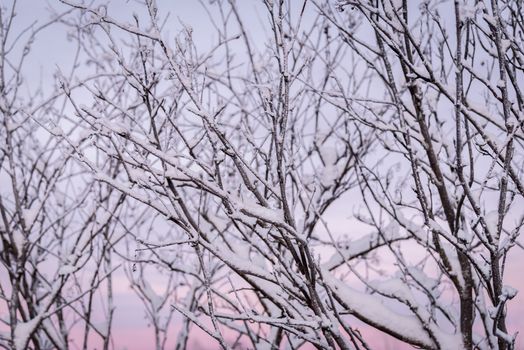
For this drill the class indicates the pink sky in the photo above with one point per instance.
(131, 333)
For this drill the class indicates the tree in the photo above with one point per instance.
(53, 217)
(242, 161)
(453, 107)
(233, 153)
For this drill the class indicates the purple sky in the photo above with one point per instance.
(130, 327)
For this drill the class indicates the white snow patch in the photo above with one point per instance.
(155, 299)
(23, 331)
(509, 292)
(394, 287)
(66, 269)
(371, 309)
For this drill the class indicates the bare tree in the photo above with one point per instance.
(55, 222)
(451, 112)
(233, 153)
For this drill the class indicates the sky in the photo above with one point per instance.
(53, 51)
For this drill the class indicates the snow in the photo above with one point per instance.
(509, 292)
(467, 11)
(138, 175)
(66, 269)
(151, 295)
(23, 331)
(423, 279)
(259, 211)
(349, 250)
(242, 249)
(371, 309)
(394, 287)
(464, 235)
(391, 7)
(118, 128)
(505, 44)
(490, 19)
(435, 226)
(218, 222)
(84, 134)
(410, 225)
(258, 259)
(420, 71)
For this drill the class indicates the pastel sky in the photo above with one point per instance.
(131, 332)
